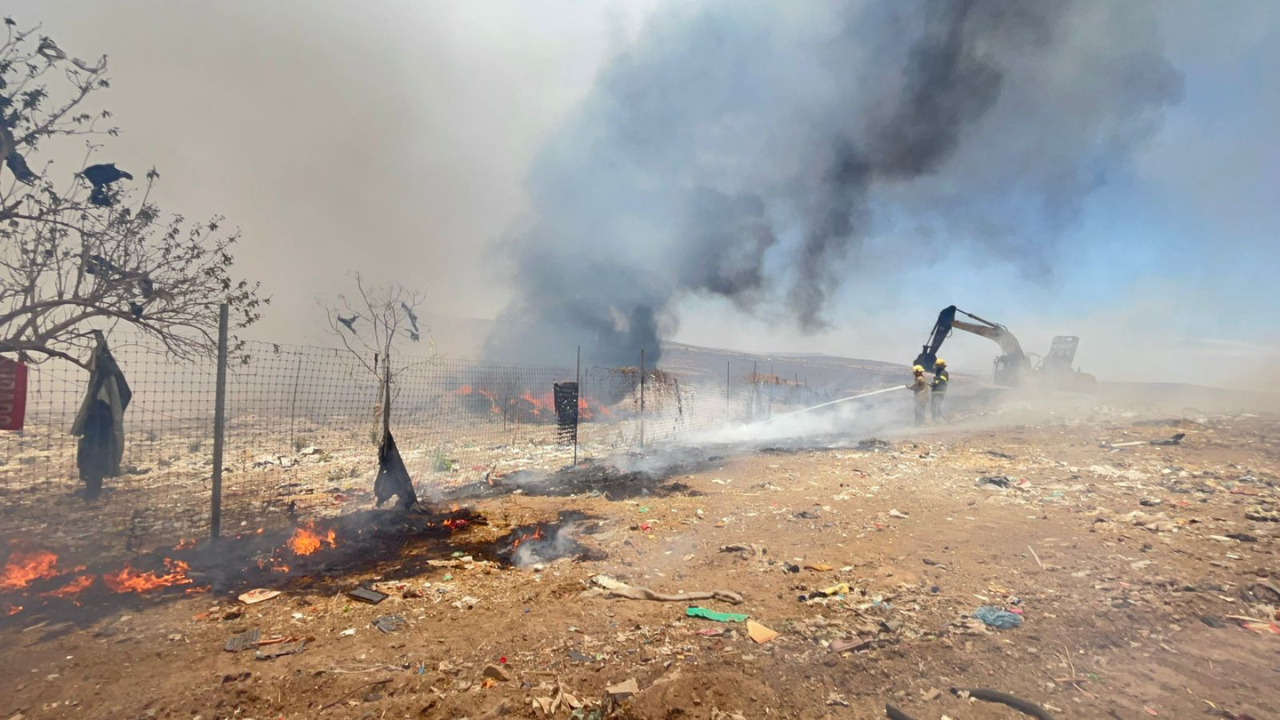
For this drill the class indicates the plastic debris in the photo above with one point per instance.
(373, 597)
(997, 618)
(760, 633)
(390, 623)
(257, 596)
(706, 614)
(285, 648)
(243, 641)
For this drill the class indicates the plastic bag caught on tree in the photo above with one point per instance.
(393, 479)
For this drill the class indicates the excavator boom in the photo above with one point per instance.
(1012, 367)
(1009, 366)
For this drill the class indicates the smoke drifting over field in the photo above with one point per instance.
(745, 151)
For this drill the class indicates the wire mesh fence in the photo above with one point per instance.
(303, 425)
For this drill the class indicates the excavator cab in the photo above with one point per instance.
(1010, 369)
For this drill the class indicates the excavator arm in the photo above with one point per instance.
(1008, 365)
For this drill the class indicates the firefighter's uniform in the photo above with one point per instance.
(938, 396)
(921, 389)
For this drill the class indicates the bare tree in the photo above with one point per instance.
(87, 250)
(373, 323)
(370, 325)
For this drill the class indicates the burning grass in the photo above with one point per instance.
(546, 542)
(38, 581)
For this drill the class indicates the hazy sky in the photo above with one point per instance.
(394, 138)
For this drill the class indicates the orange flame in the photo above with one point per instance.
(22, 569)
(185, 544)
(73, 588)
(455, 523)
(11, 609)
(537, 535)
(467, 390)
(130, 580)
(305, 541)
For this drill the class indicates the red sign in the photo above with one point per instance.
(13, 394)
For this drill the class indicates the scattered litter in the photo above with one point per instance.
(1171, 440)
(1212, 622)
(706, 614)
(496, 672)
(576, 656)
(615, 589)
(892, 712)
(833, 591)
(349, 632)
(1259, 514)
(466, 603)
(243, 641)
(1270, 593)
(752, 549)
(898, 514)
(278, 649)
(760, 633)
(373, 597)
(259, 595)
(849, 644)
(1000, 481)
(623, 690)
(997, 618)
(1023, 706)
(390, 623)
(818, 567)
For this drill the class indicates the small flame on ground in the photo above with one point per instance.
(305, 540)
(185, 544)
(11, 609)
(455, 523)
(130, 580)
(537, 535)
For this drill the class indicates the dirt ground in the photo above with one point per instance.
(1145, 577)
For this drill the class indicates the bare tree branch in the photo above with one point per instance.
(96, 253)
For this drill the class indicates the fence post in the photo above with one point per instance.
(755, 388)
(219, 425)
(577, 382)
(728, 382)
(641, 397)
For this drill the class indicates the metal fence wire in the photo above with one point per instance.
(302, 425)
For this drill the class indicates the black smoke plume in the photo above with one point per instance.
(745, 150)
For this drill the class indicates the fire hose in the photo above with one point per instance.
(833, 402)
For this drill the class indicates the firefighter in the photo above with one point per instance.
(938, 394)
(921, 389)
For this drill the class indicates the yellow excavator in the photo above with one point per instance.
(1013, 368)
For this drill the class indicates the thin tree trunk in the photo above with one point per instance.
(386, 393)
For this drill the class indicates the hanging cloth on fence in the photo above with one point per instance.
(100, 422)
(393, 479)
(566, 399)
(13, 394)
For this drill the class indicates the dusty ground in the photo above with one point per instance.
(1127, 564)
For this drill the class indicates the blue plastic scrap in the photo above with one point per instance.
(997, 618)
